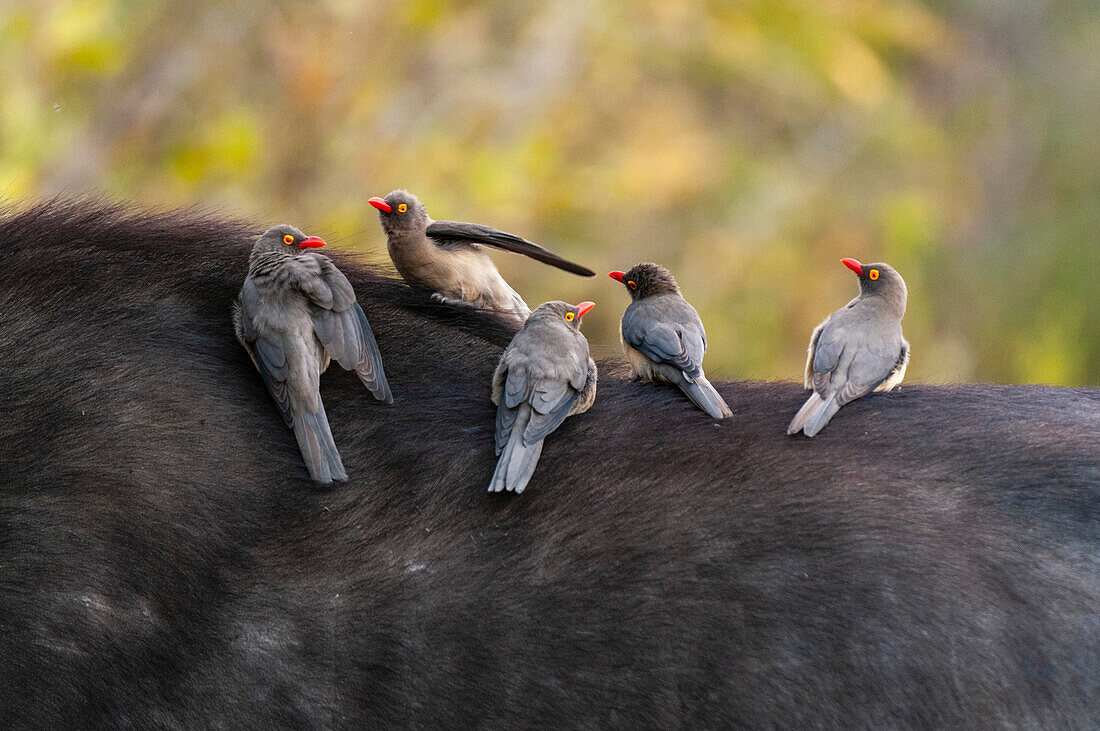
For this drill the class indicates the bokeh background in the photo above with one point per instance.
(746, 145)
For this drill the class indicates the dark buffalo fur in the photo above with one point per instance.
(932, 559)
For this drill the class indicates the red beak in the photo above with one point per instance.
(312, 242)
(618, 276)
(852, 264)
(584, 307)
(381, 204)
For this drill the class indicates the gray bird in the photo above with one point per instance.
(858, 349)
(663, 337)
(446, 257)
(295, 313)
(545, 375)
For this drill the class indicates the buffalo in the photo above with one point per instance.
(932, 559)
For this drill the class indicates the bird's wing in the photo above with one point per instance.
(244, 308)
(318, 279)
(340, 323)
(513, 392)
(679, 345)
(547, 377)
(827, 352)
(871, 364)
(554, 395)
(267, 351)
(811, 353)
(694, 339)
(551, 401)
(347, 338)
(271, 361)
(444, 232)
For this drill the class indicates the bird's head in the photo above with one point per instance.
(878, 279)
(558, 311)
(286, 239)
(647, 279)
(401, 211)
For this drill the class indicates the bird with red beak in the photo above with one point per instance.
(663, 337)
(545, 375)
(859, 349)
(447, 259)
(295, 313)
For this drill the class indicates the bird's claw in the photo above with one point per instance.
(453, 302)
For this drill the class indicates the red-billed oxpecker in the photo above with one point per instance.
(663, 337)
(446, 257)
(858, 349)
(295, 313)
(545, 375)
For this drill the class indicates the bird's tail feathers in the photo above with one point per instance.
(520, 308)
(705, 397)
(821, 418)
(517, 460)
(379, 388)
(803, 415)
(318, 447)
(374, 377)
(814, 415)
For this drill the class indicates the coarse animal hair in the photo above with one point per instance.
(932, 559)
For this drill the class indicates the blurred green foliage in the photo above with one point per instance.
(746, 145)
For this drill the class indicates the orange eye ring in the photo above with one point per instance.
(288, 239)
(402, 208)
(632, 284)
(569, 317)
(873, 274)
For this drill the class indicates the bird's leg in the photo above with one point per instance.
(476, 307)
(453, 302)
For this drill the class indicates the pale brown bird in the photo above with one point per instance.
(446, 257)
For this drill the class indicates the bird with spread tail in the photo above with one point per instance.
(295, 313)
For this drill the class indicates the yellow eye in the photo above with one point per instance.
(288, 239)
(569, 317)
(873, 274)
(632, 284)
(402, 208)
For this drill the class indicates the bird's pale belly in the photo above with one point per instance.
(463, 275)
